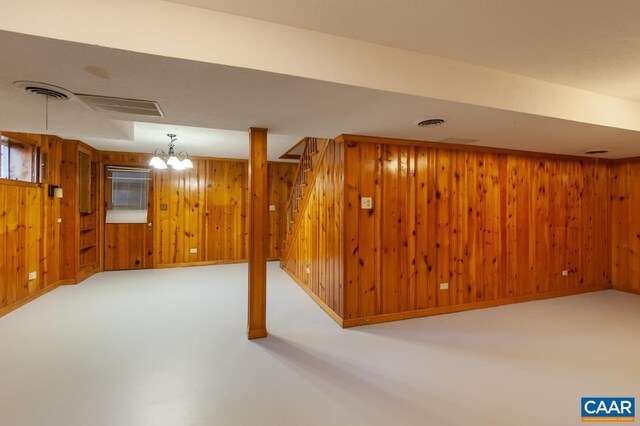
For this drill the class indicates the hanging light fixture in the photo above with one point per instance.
(161, 159)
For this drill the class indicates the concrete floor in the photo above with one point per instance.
(168, 347)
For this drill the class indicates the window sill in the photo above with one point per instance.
(11, 182)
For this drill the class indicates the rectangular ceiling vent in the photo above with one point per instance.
(122, 105)
(460, 141)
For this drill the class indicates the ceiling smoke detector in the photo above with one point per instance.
(44, 89)
(596, 151)
(432, 122)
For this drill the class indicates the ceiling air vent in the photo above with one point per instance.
(459, 141)
(43, 89)
(432, 122)
(596, 151)
(122, 105)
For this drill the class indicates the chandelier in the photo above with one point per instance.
(161, 159)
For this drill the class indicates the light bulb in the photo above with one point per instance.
(178, 166)
(173, 161)
(157, 163)
(187, 164)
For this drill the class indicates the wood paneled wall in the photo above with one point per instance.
(493, 226)
(29, 232)
(207, 209)
(314, 253)
(625, 225)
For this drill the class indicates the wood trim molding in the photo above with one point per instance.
(11, 182)
(626, 289)
(355, 322)
(105, 154)
(346, 138)
(334, 316)
(7, 309)
(288, 155)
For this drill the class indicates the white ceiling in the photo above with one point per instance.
(588, 44)
(204, 96)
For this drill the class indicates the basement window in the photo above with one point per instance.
(18, 160)
(127, 195)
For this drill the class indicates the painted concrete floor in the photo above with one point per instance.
(168, 347)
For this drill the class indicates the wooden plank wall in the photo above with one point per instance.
(29, 233)
(625, 225)
(315, 255)
(207, 210)
(31, 239)
(497, 227)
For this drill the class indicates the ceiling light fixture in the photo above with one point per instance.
(161, 159)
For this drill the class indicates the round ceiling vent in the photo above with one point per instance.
(596, 151)
(432, 122)
(43, 89)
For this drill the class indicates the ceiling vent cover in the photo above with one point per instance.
(459, 141)
(122, 105)
(596, 151)
(432, 122)
(43, 89)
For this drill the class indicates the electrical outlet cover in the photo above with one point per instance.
(444, 286)
(366, 203)
(33, 275)
(193, 250)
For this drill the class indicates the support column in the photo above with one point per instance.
(258, 233)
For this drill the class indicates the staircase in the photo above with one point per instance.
(305, 174)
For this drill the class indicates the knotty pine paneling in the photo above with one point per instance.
(494, 226)
(29, 233)
(314, 255)
(625, 225)
(206, 209)
(281, 177)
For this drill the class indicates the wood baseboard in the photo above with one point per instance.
(7, 309)
(337, 318)
(206, 263)
(355, 322)
(626, 289)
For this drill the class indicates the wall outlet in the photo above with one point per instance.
(444, 286)
(193, 250)
(272, 207)
(308, 270)
(366, 203)
(33, 275)
(59, 220)
(565, 273)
